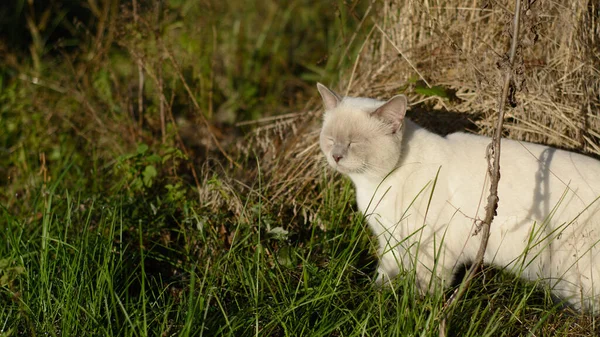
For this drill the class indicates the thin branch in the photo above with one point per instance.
(161, 107)
(493, 153)
(140, 68)
(403, 56)
(162, 101)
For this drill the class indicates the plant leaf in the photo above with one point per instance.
(436, 90)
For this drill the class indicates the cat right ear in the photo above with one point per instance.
(330, 98)
(393, 111)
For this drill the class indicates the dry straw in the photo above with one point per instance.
(460, 45)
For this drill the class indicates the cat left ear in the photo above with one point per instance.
(392, 112)
(330, 98)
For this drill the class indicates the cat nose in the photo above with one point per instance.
(337, 157)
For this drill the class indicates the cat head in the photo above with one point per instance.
(361, 135)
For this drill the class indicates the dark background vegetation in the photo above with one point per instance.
(119, 142)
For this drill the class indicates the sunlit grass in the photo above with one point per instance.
(99, 266)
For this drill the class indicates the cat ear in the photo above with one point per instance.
(330, 98)
(392, 112)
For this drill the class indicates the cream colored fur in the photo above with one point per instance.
(422, 195)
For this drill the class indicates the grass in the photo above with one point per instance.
(96, 266)
(117, 220)
(114, 265)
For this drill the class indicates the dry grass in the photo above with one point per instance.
(461, 45)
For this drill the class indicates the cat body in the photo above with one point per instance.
(423, 196)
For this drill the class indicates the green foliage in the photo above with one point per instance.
(420, 87)
(175, 193)
(13, 103)
(251, 50)
(436, 90)
(137, 172)
(9, 272)
(103, 87)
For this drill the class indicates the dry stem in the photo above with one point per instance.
(140, 68)
(494, 171)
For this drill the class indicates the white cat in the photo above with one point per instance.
(422, 195)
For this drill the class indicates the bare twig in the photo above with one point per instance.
(161, 107)
(493, 153)
(163, 128)
(140, 67)
(403, 55)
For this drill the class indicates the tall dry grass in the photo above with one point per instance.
(461, 45)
